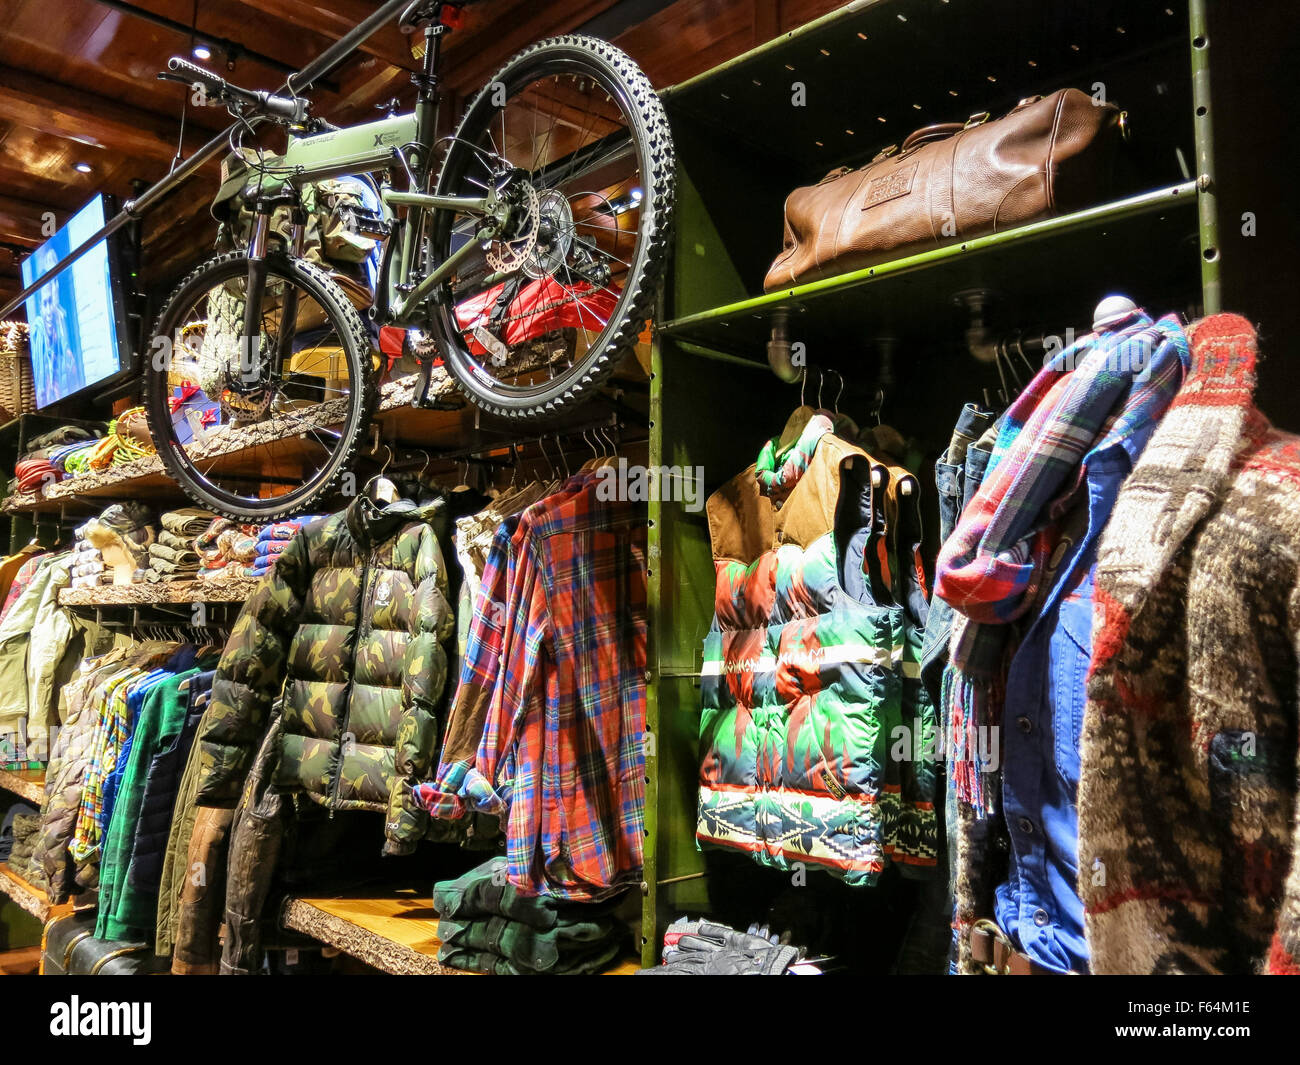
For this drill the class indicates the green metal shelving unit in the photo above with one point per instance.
(869, 73)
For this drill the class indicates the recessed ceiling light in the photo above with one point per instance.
(81, 168)
(202, 51)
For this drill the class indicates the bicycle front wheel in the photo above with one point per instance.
(572, 135)
(257, 428)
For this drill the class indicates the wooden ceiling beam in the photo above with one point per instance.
(40, 59)
(333, 19)
(467, 74)
(27, 185)
(62, 111)
(20, 221)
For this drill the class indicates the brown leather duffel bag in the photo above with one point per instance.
(949, 182)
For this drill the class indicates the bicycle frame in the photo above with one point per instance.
(398, 143)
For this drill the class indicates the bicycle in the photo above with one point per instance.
(530, 263)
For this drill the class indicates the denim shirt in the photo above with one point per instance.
(1038, 905)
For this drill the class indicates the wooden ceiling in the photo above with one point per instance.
(77, 85)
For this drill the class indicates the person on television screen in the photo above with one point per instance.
(55, 363)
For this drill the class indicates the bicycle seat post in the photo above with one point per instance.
(426, 82)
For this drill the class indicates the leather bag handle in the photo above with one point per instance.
(938, 131)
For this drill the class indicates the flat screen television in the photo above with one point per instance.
(76, 322)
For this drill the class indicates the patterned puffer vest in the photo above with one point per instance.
(349, 627)
(816, 737)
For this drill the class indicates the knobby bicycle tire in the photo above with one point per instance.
(354, 339)
(649, 124)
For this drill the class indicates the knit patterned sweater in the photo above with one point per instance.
(1187, 814)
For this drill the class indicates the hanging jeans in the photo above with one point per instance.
(957, 475)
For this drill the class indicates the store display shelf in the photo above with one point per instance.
(396, 933)
(21, 961)
(27, 784)
(845, 85)
(1132, 235)
(29, 897)
(238, 450)
(220, 590)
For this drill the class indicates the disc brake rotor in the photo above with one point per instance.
(507, 256)
(555, 235)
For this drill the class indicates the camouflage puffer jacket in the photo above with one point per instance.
(349, 627)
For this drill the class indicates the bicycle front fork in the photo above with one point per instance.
(255, 293)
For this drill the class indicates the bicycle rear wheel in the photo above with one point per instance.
(574, 137)
(257, 431)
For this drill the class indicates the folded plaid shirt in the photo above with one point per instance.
(555, 674)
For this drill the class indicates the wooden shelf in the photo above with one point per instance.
(29, 897)
(28, 784)
(243, 450)
(1133, 235)
(20, 961)
(396, 933)
(216, 590)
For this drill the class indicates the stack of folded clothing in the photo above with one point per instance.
(187, 521)
(173, 557)
(123, 534)
(226, 548)
(271, 541)
(87, 564)
(487, 926)
(46, 457)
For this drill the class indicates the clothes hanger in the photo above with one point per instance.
(464, 485)
(592, 462)
(1020, 351)
(798, 421)
(845, 426)
(381, 489)
(549, 465)
(612, 459)
(563, 458)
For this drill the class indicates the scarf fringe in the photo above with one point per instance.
(974, 737)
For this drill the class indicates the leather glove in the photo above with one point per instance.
(703, 948)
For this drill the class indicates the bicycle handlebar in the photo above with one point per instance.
(286, 107)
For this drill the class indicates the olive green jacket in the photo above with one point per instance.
(350, 626)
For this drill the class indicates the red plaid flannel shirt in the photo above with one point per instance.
(558, 684)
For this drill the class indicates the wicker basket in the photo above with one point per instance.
(17, 389)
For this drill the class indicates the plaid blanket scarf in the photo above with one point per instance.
(991, 567)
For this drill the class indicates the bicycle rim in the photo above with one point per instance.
(576, 138)
(258, 431)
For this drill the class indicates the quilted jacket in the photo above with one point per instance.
(815, 746)
(66, 773)
(349, 627)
